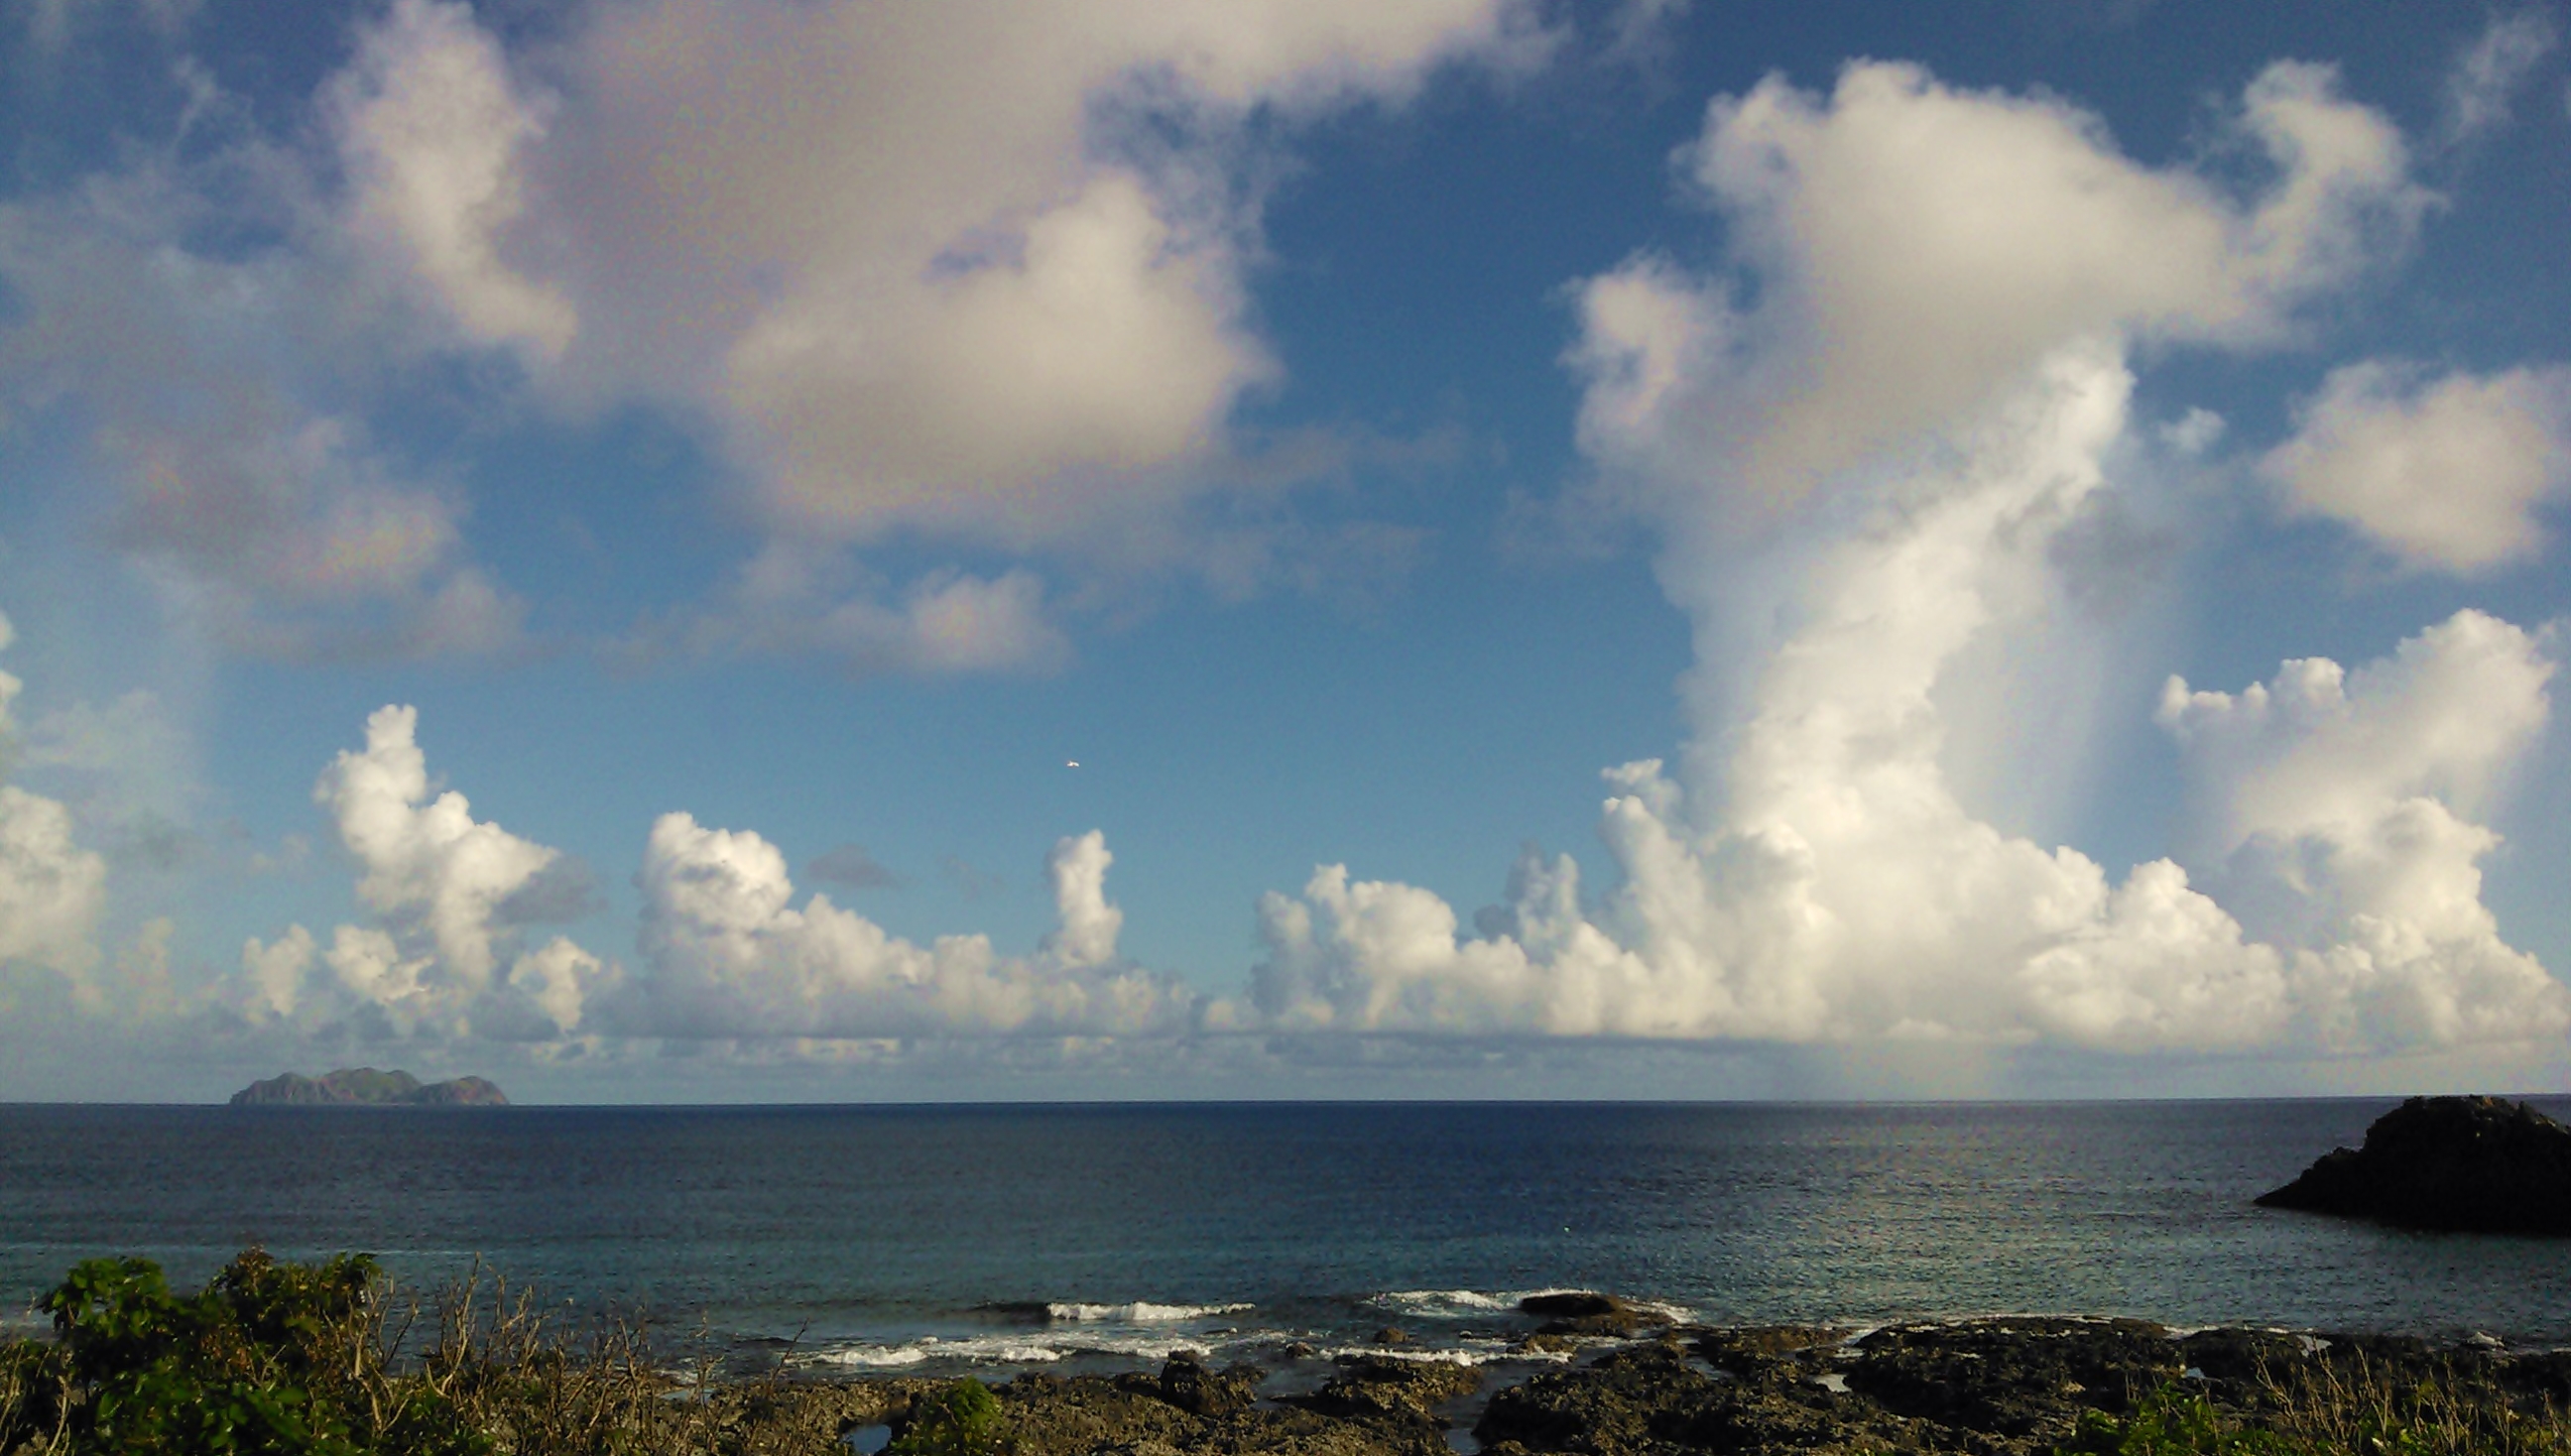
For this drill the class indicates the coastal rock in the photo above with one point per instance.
(1381, 1386)
(2477, 1163)
(1650, 1400)
(1755, 1351)
(367, 1087)
(1990, 1388)
(1583, 1311)
(2013, 1377)
(1189, 1385)
(1050, 1416)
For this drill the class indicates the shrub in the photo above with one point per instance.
(284, 1359)
(2332, 1408)
(269, 1359)
(2170, 1421)
(962, 1420)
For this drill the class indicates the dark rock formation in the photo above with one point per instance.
(2451, 1163)
(367, 1087)
(1584, 1312)
(1046, 1415)
(2014, 1377)
(1988, 1388)
(1187, 1384)
(1648, 1398)
(1751, 1352)
(1381, 1386)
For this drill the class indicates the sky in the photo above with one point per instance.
(826, 550)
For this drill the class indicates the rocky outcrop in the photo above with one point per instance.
(1140, 1415)
(367, 1087)
(1581, 1312)
(1186, 1383)
(1381, 1387)
(1988, 1388)
(2478, 1163)
(2013, 1377)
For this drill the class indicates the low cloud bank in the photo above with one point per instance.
(726, 952)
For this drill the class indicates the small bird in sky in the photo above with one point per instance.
(1074, 764)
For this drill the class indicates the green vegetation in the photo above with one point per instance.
(282, 1360)
(2336, 1408)
(963, 1421)
(2170, 1422)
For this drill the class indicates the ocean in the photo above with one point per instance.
(927, 1240)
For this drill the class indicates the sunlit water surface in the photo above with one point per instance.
(926, 1238)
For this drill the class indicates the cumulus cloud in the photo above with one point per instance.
(2444, 471)
(446, 893)
(51, 888)
(974, 270)
(1841, 892)
(1868, 482)
(1918, 247)
(728, 955)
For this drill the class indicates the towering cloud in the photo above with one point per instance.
(442, 886)
(1864, 480)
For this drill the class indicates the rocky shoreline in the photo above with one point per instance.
(1988, 1388)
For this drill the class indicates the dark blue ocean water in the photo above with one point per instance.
(886, 1237)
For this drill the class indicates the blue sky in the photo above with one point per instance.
(2069, 496)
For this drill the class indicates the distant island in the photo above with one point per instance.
(367, 1087)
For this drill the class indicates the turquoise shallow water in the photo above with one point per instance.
(934, 1237)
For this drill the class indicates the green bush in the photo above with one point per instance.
(2170, 1422)
(2325, 1408)
(285, 1359)
(964, 1420)
(269, 1359)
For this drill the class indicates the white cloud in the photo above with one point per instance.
(974, 270)
(2339, 809)
(1930, 389)
(2446, 472)
(429, 128)
(425, 858)
(729, 956)
(1827, 885)
(923, 266)
(51, 888)
(2486, 76)
(1919, 249)
(441, 956)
